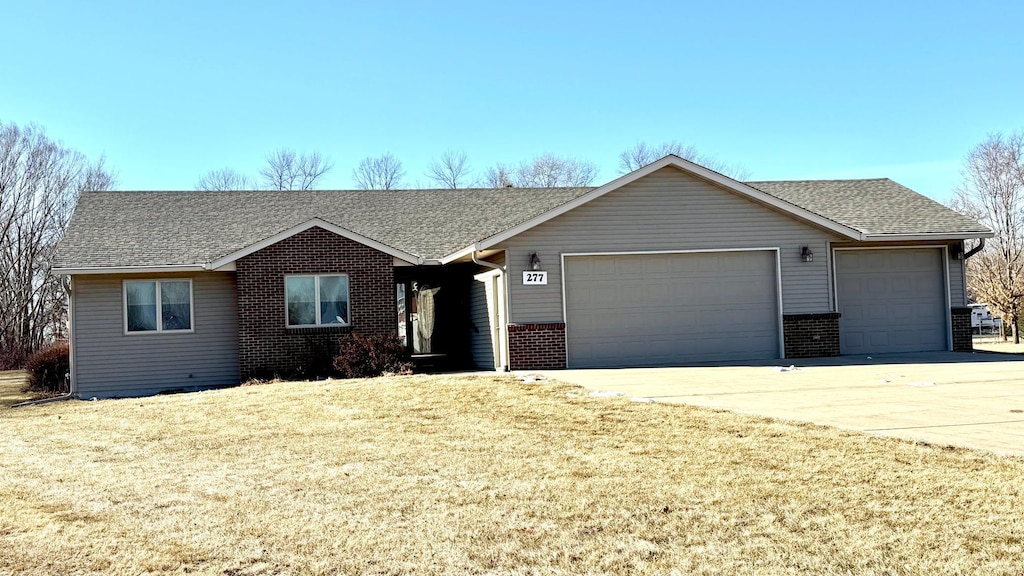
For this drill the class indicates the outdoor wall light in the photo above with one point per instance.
(957, 252)
(534, 261)
(805, 254)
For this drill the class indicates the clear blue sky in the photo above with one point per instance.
(789, 90)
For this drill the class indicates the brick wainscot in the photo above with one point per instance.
(811, 335)
(963, 333)
(266, 347)
(536, 346)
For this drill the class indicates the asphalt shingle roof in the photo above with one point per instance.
(875, 206)
(182, 228)
(121, 229)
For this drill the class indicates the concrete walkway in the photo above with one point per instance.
(969, 400)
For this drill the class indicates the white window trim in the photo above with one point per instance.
(316, 290)
(159, 307)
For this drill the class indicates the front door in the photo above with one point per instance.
(417, 316)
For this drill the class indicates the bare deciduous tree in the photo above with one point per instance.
(641, 154)
(40, 180)
(992, 192)
(451, 171)
(225, 179)
(548, 170)
(379, 173)
(286, 170)
(498, 176)
(544, 171)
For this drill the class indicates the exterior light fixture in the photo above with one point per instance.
(534, 261)
(805, 254)
(957, 252)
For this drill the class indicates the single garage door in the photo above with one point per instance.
(891, 300)
(667, 309)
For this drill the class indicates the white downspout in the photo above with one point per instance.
(504, 304)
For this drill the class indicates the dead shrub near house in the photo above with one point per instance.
(48, 369)
(362, 356)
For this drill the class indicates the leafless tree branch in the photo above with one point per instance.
(451, 171)
(641, 154)
(225, 179)
(287, 170)
(379, 173)
(544, 171)
(40, 180)
(498, 176)
(992, 192)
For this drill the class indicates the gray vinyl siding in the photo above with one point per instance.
(110, 363)
(668, 210)
(957, 283)
(481, 337)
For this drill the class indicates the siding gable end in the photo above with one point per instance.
(669, 210)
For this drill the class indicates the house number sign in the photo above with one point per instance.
(535, 278)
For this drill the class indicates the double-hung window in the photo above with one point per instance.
(158, 305)
(316, 300)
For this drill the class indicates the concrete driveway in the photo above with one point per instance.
(970, 400)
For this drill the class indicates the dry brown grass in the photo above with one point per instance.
(12, 388)
(999, 346)
(486, 475)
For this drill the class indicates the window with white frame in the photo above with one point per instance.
(316, 300)
(158, 305)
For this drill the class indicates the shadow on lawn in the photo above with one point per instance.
(12, 384)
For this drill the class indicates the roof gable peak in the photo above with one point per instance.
(313, 223)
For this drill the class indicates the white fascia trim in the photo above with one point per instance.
(129, 269)
(926, 237)
(686, 166)
(460, 254)
(306, 226)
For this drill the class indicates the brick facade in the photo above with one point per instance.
(963, 334)
(811, 335)
(536, 346)
(265, 346)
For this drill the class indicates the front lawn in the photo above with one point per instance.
(12, 389)
(487, 475)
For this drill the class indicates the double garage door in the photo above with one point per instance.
(668, 309)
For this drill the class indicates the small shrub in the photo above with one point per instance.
(368, 356)
(48, 369)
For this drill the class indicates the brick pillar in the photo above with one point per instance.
(536, 346)
(811, 335)
(963, 334)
